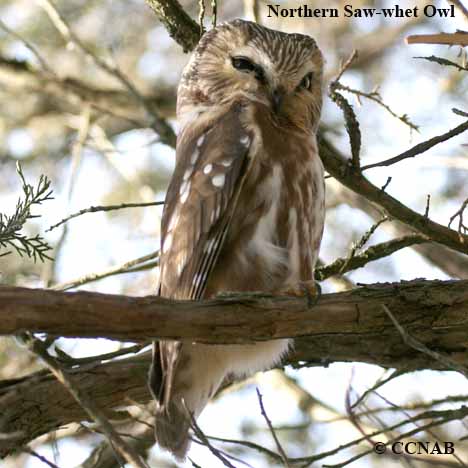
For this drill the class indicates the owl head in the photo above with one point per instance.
(280, 71)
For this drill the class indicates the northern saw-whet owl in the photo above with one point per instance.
(244, 210)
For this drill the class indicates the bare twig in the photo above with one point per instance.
(445, 62)
(126, 267)
(408, 415)
(376, 252)
(36, 346)
(417, 345)
(421, 405)
(335, 164)
(346, 65)
(449, 261)
(462, 228)
(352, 417)
(201, 15)
(30, 47)
(95, 209)
(251, 10)
(118, 103)
(376, 97)
(49, 272)
(361, 242)
(379, 383)
(421, 147)
(458, 4)
(70, 361)
(245, 443)
(219, 454)
(459, 38)
(39, 457)
(47, 396)
(428, 205)
(214, 12)
(163, 129)
(436, 418)
(352, 125)
(284, 457)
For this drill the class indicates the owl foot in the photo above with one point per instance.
(311, 290)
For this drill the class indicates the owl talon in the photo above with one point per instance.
(311, 290)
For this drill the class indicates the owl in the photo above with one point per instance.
(244, 210)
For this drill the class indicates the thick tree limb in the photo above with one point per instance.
(183, 29)
(44, 404)
(350, 326)
(236, 318)
(93, 412)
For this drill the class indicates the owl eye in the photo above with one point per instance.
(306, 82)
(243, 64)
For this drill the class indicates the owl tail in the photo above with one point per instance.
(171, 430)
(182, 379)
(172, 420)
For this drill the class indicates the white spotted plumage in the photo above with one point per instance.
(226, 162)
(194, 157)
(244, 209)
(218, 180)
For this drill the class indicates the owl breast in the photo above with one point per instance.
(277, 226)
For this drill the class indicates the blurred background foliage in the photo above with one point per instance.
(63, 116)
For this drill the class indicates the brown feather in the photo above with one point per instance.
(245, 208)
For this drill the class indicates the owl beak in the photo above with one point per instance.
(277, 99)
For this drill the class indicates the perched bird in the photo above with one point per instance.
(244, 210)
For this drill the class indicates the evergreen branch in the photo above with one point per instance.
(11, 226)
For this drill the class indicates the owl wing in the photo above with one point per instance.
(200, 201)
(210, 170)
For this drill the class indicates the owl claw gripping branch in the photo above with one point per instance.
(311, 290)
(245, 207)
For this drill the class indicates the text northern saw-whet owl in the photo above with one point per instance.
(244, 210)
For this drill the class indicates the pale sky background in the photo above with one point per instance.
(95, 242)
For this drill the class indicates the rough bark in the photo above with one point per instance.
(183, 29)
(39, 404)
(349, 326)
(239, 318)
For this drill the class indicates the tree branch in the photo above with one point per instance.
(453, 263)
(71, 93)
(375, 252)
(459, 38)
(335, 163)
(235, 318)
(44, 405)
(420, 148)
(93, 412)
(183, 29)
(351, 326)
